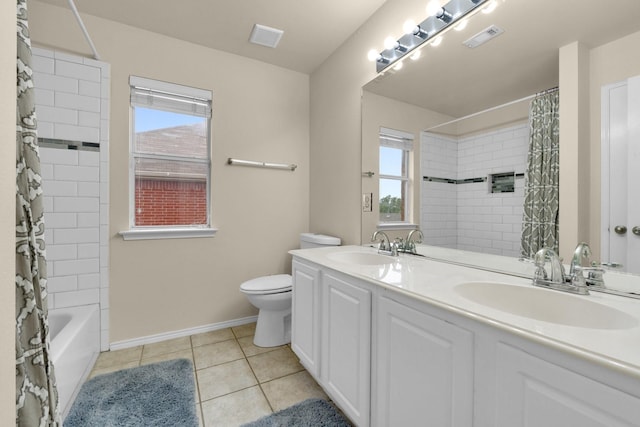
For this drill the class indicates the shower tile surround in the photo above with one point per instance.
(459, 214)
(72, 106)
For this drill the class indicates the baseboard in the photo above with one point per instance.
(150, 339)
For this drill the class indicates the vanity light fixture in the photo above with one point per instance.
(444, 15)
(441, 17)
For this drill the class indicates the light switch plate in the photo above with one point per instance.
(367, 206)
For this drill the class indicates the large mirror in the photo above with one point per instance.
(578, 46)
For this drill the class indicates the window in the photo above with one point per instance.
(395, 152)
(170, 173)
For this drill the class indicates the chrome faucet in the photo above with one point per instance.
(574, 282)
(390, 248)
(410, 244)
(583, 251)
(594, 274)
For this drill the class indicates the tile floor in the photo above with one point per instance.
(236, 382)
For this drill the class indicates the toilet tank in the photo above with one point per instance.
(312, 240)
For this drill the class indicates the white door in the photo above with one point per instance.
(621, 174)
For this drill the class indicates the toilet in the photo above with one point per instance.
(271, 295)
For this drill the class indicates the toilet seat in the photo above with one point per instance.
(275, 284)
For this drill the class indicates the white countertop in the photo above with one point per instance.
(434, 282)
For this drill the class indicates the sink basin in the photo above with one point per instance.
(361, 258)
(546, 305)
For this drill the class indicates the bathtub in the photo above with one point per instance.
(75, 345)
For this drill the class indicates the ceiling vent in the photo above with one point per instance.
(483, 36)
(265, 36)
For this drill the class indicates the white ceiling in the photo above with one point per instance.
(455, 80)
(312, 29)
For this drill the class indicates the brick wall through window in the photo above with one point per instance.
(170, 202)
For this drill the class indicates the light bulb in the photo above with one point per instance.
(491, 6)
(398, 66)
(416, 55)
(436, 42)
(390, 43)
(409, 27)
(373, 55)
(461, 25)
(433, 7)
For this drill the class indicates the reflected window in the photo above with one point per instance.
(395, 154)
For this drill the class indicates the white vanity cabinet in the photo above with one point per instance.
(391, 358)
(346, 345)
(532, 391)
(305, 313)
(423, 369)
(331, 334)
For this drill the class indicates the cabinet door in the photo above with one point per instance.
(346, 346)
(305, 324)
(534, 392)
(424, 369)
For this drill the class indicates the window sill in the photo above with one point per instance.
(397, 226)
(167, 233)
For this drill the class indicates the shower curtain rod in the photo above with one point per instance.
(506, 104)
(72, 5)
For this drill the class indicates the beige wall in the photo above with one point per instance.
(574, 147)
(260, 112)
(7, 214)
(610, 63)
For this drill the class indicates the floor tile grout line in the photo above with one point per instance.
(259, 385)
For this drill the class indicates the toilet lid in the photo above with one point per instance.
(268, 284)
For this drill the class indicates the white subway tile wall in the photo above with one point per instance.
(72, 104)
(467, 215)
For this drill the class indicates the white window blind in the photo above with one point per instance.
(396, 139)
(170, 97)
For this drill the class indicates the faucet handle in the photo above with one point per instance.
(594, 276)
(578, 281)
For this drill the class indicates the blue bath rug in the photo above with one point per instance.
(160, 394)
(310, 413)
